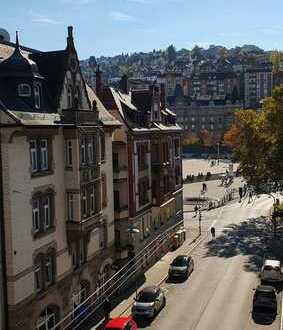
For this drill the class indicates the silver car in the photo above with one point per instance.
(149, 301)
(181, 267)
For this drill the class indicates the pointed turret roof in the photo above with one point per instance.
(18, 64)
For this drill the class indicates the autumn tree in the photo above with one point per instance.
(258, 140)
(231, 137)
(190, 139)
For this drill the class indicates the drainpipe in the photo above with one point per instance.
(3, 290)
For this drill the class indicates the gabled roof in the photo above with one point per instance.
(106, 118)
(52, 66)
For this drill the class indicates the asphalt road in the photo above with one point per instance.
(218, 294)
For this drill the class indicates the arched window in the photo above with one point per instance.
(48, 318)
(70, 97)
(37, 96)
(24, 90)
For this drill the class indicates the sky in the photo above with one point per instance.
(110, 27)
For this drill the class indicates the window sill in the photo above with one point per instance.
(40, 234)
(41, 173)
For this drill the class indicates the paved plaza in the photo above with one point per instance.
(195, 166)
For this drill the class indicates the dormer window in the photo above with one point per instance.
(24, 90)
(37, 96)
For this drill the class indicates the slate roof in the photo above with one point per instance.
(52, 66)
(104, 116)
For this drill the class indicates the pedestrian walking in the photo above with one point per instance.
(250, 196)
(196, 210)
(240, 193)
(107, 309)
(212, 230)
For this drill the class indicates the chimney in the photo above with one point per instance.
(162, 96)
(70, 40)
(98, 85)
(124, 84)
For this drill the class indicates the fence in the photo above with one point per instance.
(120, 280)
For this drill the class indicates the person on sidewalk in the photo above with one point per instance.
(250, 196)
(107, 309)
(196, 210)
(212, 230)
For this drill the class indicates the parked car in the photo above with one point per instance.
(181, 267)
(149, 301)
(121, 323)
(271, 271)
(265, 303)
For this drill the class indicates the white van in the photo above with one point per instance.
(271, 271)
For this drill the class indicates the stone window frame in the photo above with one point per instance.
(41, 260)
(39, 227)
(38, 152)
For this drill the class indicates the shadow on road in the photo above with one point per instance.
(251, 238)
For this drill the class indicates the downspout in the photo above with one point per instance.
(4, 306)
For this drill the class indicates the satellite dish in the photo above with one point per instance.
(4, 35)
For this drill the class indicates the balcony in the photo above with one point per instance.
(76, 229)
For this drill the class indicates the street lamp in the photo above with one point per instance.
(199, 222)
(132, 231)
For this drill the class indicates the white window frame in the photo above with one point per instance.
(49, 270)
(47, 212)
(37, 100)
(36, 215)
(21, 91)
(44, 154)
(33, 155)
(69, 153)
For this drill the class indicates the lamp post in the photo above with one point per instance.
(132, 231)
(199, 222)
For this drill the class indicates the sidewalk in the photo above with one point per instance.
(158, 272)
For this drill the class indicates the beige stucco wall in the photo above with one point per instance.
(21, 187)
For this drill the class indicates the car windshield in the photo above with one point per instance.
(263, 309)
(146, 297)
(263, 294)
(179, 262)
(268, 267)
